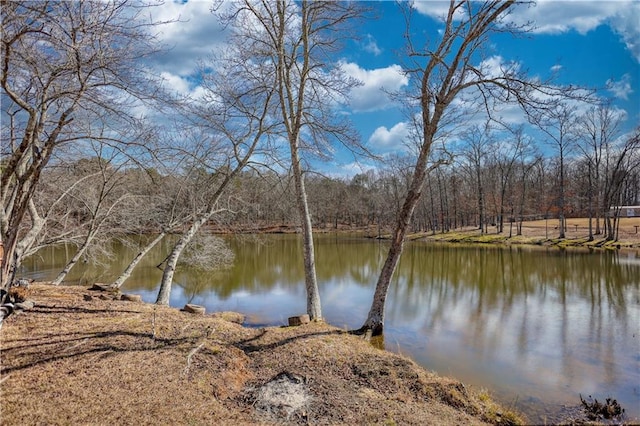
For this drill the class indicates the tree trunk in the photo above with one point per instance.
(590, 203)
(26, 244)
(74, 260)
(521, 206)
(441, 194)
(501, 214)
(142, 253)
(311, 283)
(9, 268)
(598, 208)
(374, 323)
(608, 228)
(511, 223)
(480, 200)
(562, 201)
(164, 293)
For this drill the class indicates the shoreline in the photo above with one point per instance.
(75, 355)
(534, 233)
(474, 237)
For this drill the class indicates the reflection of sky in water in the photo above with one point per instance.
(529, 325)
(534, 346)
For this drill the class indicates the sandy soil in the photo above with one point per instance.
(86, 357)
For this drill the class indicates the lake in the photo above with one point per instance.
(535, 326)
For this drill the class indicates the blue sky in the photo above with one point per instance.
(595, 44)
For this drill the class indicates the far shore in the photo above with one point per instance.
(545, 233)
(533, 233)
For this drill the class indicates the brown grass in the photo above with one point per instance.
(579, 228)
(541, 232)
(77, 361)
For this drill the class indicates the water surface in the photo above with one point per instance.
(537, 327)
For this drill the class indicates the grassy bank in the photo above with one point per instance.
(475, 237)
(533, 233)
(84, 357)
(543, 233)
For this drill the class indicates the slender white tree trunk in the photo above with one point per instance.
(141, 254)
(311, 283)
(164, 293)
(74, 260)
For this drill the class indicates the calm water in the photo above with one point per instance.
(536, 327)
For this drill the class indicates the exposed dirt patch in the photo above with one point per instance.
(106, 361)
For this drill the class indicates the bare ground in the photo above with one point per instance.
(83, 357)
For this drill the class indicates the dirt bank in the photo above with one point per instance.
(82, 357)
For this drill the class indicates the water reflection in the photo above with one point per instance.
(535, 326)
(544, 325)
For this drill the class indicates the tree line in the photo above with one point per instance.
(95, 145)
(489, 184)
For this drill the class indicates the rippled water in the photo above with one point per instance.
(537, 327)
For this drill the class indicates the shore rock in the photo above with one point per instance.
(131, 297)
(194, 309)
(299, 320)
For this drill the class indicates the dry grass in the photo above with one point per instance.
(541, 232)
(77, 361)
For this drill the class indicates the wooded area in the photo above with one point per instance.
(95, 146)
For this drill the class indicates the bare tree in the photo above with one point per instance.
(475, 152)
(65, 66)
(207, 253)
(528, 159)
(95, 203)
(622, 163)
(212, 203)
(597, 130)
(162, 209)
(298, 39)
(48, 218)
(507, 154)
(452, 69)
(231, 124)
(558, 124)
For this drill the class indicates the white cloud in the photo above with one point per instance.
(437, 9)
(557, 17)
(349, 170)
(181, 86)
(495, 66)
(387, 139)
(620, 89)
(175, 83)
(371, 96)
(371, 46)
(625, 23)
(556, 68)
(192, 32)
